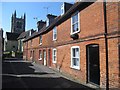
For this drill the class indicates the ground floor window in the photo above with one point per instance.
(75, 57)
(54, 55)
(40, 55)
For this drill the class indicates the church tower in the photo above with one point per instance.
(17, 24)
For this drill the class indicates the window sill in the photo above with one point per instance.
(40, 59)
(72, 33)
(54, 62)
(40, 44)
(75, 67)
(54, 39)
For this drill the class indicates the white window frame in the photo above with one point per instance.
(54, 55)
(54, 32)
(73, 66)
(47, 22)
(40, 39)
(62, 9)
(40, 54)
(77, 13)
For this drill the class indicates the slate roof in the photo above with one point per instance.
(58, 20)
(12, 36)
(25, 34)
(22, 35)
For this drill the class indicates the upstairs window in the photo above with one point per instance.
(54, 33)
(75, 23)
(62, 9)
(75, 57)
(40, 39)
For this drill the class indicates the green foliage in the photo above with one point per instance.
(9, 54)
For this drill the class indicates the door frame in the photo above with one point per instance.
(49, 57)
(44, 58)
(88, 64)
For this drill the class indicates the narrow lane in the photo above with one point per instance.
(20, 74)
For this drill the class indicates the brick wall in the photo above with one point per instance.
(91, 32)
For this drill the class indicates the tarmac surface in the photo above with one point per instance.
(28, 75)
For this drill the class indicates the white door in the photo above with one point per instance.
(45, 62)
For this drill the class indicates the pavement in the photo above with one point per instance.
(28, 75)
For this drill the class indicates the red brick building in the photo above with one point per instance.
(78, 42)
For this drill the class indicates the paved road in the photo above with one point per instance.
(21, 74)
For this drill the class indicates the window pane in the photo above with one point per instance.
(54, 36)
(73, 19)
(76, 18)
(75, 23)
(40, 54)
(54, 33)
(77, 52)
(75, 57)
(40, 39)
(44, 55)
(75, 27)
(75, 61)
(53, 52)
(54, 58)
(73, 52)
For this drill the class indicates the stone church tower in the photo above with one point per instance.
(17, 24)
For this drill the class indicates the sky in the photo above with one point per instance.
(31, 9)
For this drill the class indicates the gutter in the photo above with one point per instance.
(106, 44)
(78, 6)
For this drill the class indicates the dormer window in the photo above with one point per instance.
(30, 33)
(65, 7)
(62, 9)
(47, 22)
(75, 23)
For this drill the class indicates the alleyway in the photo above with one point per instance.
(22, 74)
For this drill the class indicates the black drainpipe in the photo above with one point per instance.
(106, 46)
